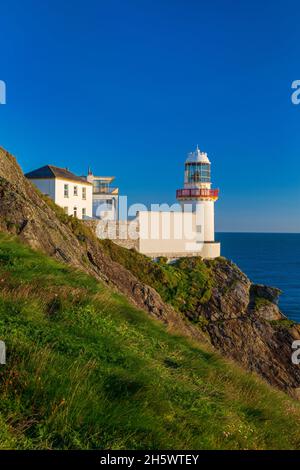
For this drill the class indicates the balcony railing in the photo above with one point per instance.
(108, 190)
(197, 192)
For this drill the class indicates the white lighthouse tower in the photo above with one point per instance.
(198, 195)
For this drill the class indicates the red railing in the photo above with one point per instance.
(197, 192)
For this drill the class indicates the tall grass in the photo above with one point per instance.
(86, 370)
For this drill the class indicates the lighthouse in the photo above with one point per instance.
(198, 196)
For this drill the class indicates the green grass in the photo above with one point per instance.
(183, 284)
(260, 302)
(87, 370)
(283, 323)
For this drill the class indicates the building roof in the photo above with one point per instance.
(94, 177)
(51, 172)
(197, 157)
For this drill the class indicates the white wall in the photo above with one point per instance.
(175, 234)
(167, 233)
(74, 201)
(100, 208)
(205, 211)
(54, 188)
(209, 220)
(211, 250)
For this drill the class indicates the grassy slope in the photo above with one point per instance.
(87, 370)
(182, 284)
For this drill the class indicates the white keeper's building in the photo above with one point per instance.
(71, 192)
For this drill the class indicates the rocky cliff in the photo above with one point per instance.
(245, 323)
(240, 319)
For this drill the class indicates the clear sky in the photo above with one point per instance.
(130, 86)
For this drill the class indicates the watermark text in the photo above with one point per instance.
(2, 92)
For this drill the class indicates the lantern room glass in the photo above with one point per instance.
(198, 173)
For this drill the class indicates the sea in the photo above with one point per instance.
(272, 259)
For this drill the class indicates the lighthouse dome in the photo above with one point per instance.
(197, 157)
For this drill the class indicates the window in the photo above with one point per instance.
(66, 210)
(66, 190)
(75, 190)
(100, 186)
(75, 212)
(84, 193)
(198, 172)
(83, 212)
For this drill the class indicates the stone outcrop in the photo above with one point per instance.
(243, 321)
(240, 319)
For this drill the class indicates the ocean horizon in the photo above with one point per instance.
(268, 258)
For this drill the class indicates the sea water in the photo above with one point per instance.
(268, 258)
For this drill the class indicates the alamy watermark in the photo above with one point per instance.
(296, 353)
(2, 353)
(2, 92)
(295, 96)
(163, 222)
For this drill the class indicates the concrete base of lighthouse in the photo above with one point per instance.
(210, 250)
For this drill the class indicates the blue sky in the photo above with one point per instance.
(130, 86)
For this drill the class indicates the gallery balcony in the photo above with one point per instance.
(195, 193)
(106, 190)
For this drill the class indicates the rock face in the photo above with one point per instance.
(242, 320)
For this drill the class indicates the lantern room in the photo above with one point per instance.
(197, 170)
